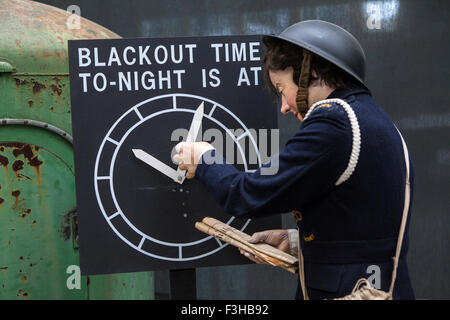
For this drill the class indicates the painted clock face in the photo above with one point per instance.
(144, 208)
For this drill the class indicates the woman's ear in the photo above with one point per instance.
(314, 80)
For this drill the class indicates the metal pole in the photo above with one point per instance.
(183, 284)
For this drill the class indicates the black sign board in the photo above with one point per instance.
(141, 94)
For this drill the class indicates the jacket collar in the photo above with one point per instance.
(348, 90)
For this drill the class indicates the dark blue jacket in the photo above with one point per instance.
(346, 228)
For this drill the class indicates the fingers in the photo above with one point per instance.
(177, 158)
(259, 237)
(185, 158)
(188, 155)
(278, 238)
(178, 147)
(252, 257)
(185, 153)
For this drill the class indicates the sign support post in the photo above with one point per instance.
(183, 284)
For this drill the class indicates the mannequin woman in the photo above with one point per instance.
(342, 174)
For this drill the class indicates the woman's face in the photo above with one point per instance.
(283, 83)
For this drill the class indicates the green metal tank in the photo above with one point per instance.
(39, 255)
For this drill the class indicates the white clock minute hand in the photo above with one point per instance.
(195, 124)
(158, 165)
(194, 130)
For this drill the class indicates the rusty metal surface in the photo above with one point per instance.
(38, 220)
(34, 36)
(35, 189)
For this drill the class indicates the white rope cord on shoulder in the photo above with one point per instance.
(356, 136)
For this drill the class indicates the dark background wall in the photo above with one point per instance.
(407, 47)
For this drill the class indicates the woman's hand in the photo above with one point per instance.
(188, 155)
(282, 239)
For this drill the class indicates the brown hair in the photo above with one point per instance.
(280, 54)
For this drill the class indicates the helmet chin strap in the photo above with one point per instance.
(303, 81)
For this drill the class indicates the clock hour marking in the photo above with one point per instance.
(141, 243)
(180, 249)
(112, 141)
(139, 114)
(103, 178)
(113, 215)
(212, 110)
(174, 102)
(218, 241)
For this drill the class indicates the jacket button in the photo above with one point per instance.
(297, 215)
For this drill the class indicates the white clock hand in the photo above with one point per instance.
(194, 129)
(158, 165)
(195, 124)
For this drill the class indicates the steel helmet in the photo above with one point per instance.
(330, 42)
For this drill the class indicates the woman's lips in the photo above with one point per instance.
(298, 116)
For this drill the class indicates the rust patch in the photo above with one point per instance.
(30, 103)
(35, 162)
(1, 201)
(27, 151)
(17, 165)
(20, 176)
(69, 225)
(37, 86)
(56, 90)
(22, 293)
(4, 161)
(3, 268)
(20, 82)
(21, 148)
(15, 194)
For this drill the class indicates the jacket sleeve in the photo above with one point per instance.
(308, 168)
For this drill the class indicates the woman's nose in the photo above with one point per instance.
(284, 107)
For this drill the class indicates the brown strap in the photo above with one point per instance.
(303, 81)
(405, 215)
(301, 269)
